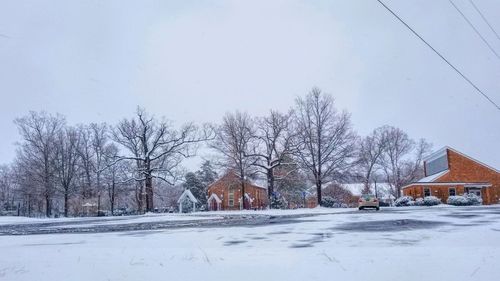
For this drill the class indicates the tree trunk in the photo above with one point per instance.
(149, 194)
(139, 196)
(112, 199)
(87, 188)
(48, 211)
(242, 179)
(149, 187)
(270, 185)
(66, 204)
(98, 203)
(318, 191)
(243, 194)
(29, 205)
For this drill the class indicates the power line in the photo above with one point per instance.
(475, 29)
(484, 18)
(441, 56)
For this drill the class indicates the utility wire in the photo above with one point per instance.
(441, 56)
(485, 20)
(475, 29)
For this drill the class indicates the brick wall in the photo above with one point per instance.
(440, 191)
(466, 170)
(462, 169)
(228, 183)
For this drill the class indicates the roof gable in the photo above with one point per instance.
(187, 194)
(472, 159)
(214, 197)
(231, 176)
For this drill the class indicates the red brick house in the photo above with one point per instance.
(449, 172)
(225, 194)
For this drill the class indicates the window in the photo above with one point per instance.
(427, 192)
(452, 191)
(231, 198)
(436, 165)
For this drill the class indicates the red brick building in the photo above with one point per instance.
(449, 172)
(225, 194)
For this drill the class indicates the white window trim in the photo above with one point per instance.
(430, 191)
(450, 188)
(230, 201)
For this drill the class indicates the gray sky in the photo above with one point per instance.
(195, 60)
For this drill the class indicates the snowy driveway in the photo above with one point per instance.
(438, 243)
(153, 222)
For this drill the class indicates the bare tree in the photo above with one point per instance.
(115, 175)
(233, 143)
(29, 191)
(369, 153)
(326, 138)
(99, 149)
(273, 144)
(86, 155)
(414, 168)
(66, 162)
(7, 188)
(156, 147)
(94, 139)
(37, 151)
(402, 158)
(291, 182)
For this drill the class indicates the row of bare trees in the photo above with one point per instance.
(390, 154)
(76, 166)
(86, 165)
(319, 141)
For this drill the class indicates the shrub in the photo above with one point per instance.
(340, 205)
(419, 201)
(279, 202)
(457, 200)
(329, 202)
(473, 199)
(465, 200)
(431, 201)
(404, 201)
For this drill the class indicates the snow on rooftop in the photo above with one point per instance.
(383, 188)
(187, 193)
(434, 177)
(214, 197)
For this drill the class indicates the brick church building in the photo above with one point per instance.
(449, 172)
(225, 194)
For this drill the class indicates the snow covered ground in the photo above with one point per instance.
(152, 217)
(151, 221)
(102, 220)
(444, 243)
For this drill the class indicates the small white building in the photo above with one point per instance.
(187, 198)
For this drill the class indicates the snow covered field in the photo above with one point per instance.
(443, 243)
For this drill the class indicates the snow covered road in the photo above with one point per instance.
(29, 226)
(437, 243)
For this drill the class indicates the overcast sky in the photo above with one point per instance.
(96, 61)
